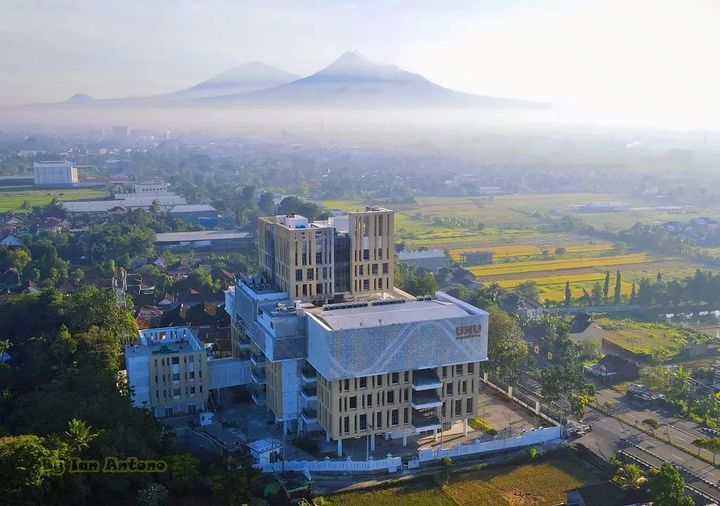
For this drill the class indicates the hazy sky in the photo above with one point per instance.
(654, 60)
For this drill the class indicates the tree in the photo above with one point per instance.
(153, 495)
(528, 289)
(266, 204)
(606, 286)
(560, 251)
(25, 462)
(633, 294)
(711, 444)
(618, 287)
(507, 350)
(562, 380)
(235, 486)
(568, 294)
(667, 487)
(580, 400)
(446, 465)
(629, 476)
(79, 435)
(597, 294)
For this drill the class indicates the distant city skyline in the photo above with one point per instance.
(646, 60)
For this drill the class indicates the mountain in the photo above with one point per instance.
(79, 98)
(354, 81)
(245, 78)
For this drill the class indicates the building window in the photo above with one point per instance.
(459, 369)
(318, 258)
(369, 400)
(310, 275)
(379, 420)
(298, 275)
(468, 406)
(361, 270)
(176, 376)
(353, 402)
(347, 385)
(374, 269)
(471, 368)
(407, 376)
(448, 388)
(386, 268)
(379, 253)
(464, 387)
(340, 405)
(366, 284)
(363, 382)
(444, 372)
(366, 254)
(395, 378)
(405, 415)
(346, 423)
(391, 397)
(379, 380)
(458, 407)
(395, 417)
(363, 422)
(176, 360)
(407, 397)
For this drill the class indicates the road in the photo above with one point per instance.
(610, 435)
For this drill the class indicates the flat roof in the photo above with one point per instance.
(192, 208)
(388, 314)
(201, 235)
(418, 254)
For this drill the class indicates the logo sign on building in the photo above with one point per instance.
(468, 331)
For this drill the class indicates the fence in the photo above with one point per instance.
(390, 464)
(550, 414)
(531, 437)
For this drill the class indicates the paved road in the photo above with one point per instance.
(610, 435)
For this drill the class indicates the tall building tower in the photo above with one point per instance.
(343, 256)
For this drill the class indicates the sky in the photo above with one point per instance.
(654, 61)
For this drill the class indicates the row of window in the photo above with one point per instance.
(462, 388)
(372, 270)
(175, 360)
(382, 398)
(456, 407)
(458, 369)
(377, 284)
(373, 421)
(176, 376)
(176, 392)
(314, 272)
(378, 380)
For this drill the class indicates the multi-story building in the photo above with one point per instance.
(344, 351)
(54, 174)
(167, 369)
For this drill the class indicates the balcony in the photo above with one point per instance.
(257, 374)
(425, 379)
(242, 342)
(309, 392)
(426, 399)
(423, 421)
(309, 415)
(308, 374)
(257, 359)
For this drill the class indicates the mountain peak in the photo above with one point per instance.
(80, 97)
(351, 59)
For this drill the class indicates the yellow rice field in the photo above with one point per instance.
(554, 280)
(484, 271)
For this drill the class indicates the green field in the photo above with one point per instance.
(660, 341)
(538, 483)
(13, 200)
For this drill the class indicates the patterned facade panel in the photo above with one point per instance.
(349, 353)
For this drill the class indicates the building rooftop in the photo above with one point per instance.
(164, 340)
(201, 235)
(192, 208)
(377, 315)
(418, 254)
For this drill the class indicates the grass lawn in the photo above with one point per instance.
(534, 484)
(415, 493)
(658, 340)
(13, 200)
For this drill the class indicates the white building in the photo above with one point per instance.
(54, 173)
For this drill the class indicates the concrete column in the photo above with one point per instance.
(372, 442)
(285, 427)
(537, 407)
(509, 392)
(387, 436)
(404, 438)
(339, 451)
(327, 437)
(435, 434)
(465, 426)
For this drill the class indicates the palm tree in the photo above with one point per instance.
(629, 476)
(80, 435)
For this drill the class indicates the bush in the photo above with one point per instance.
(532, 452)
(480, 424)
